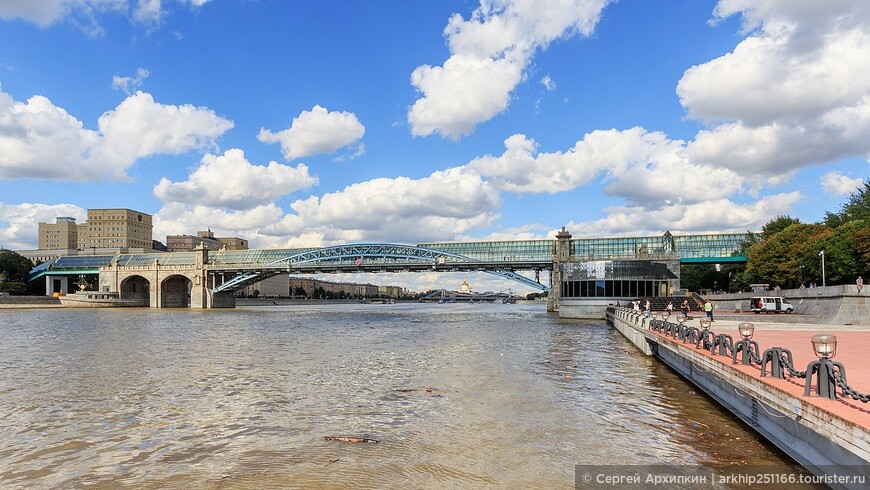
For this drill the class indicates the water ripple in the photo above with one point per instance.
(457, 395)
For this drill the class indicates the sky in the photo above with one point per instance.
(301, 124)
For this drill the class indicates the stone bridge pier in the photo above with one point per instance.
(563, 255)
(164, 285)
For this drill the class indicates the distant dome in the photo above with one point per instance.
(465, 288)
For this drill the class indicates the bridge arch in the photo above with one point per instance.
(175, 291)
(360, 254)
(135, 287)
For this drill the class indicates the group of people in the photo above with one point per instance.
(685, 308)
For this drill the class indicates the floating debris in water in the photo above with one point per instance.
(350, 439)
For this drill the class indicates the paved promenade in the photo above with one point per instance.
(852, 351)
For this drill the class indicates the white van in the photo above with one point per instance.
(769, 304)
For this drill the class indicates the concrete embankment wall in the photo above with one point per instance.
(812, 436)
(830, 305)
(28, 302)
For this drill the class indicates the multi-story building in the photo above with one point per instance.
(186, 243)
(115, 228)
(233, 243)
(394, 292)
(304, 287)
(61, 235)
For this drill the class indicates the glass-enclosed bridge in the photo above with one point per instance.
(233, 269)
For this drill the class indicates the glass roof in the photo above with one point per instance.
(664, 246)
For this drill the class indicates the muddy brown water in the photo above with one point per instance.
(457, 396)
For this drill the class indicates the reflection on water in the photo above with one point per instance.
(457, 395)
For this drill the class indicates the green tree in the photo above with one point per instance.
(843, 261)
(861, 239)
(14, 268)
(694, 277)
(751, 239)
(857, 207)
(776, 225)
(777, 260)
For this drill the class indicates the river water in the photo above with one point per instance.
(459, 396)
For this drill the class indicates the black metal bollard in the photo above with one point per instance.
(748, 348)
(724, 342)
(824, 370)
(774, 357)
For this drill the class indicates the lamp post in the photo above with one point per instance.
(825, 348)
(746, 345)
(822, 255)
(705, 338)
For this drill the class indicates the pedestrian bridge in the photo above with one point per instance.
(208, 279)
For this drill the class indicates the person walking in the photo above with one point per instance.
(708, 307)
(646, 309)
(670, 308)
(859, 283)
(684, 308)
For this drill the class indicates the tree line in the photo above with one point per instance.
(787, 252)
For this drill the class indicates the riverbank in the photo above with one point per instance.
(15, 302)
(826, 436)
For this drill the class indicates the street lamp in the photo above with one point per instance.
(824, 345)
(822, 255)
(748, 346)
(705, 338)
(825, 348)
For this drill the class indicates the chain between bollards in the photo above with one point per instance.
(829, 374)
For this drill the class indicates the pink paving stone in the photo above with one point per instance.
(853, 350)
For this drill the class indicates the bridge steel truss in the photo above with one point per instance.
(372, 258)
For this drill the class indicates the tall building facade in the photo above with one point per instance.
(63, 234)
(186, 243)
(115, 228)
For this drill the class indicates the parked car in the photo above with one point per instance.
(767, 304)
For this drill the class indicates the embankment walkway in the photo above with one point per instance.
(823, 435)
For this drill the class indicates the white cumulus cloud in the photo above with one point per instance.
(489, 53)
(39, 140)
(836, 184)
(316, 131)
(185, 219)
(638, 165)
(231, 181)
(19, 223)
(795, 92)
(713, 216)
(393, 210)
(401, 209)
(130, 84)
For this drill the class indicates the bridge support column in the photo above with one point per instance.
(225, 299)
(563, 256)
(199, 294)
(155, 294)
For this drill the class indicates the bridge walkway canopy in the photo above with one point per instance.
(689, 248)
